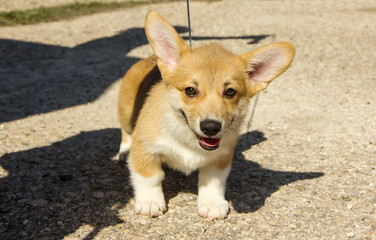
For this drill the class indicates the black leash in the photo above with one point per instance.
(189, 26)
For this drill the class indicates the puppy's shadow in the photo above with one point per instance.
(248, 185)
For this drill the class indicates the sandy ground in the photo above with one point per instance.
(306, 169)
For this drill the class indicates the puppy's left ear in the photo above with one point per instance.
(266, 63)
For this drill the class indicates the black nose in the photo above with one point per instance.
(210, 127)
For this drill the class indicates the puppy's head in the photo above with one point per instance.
(209, 86)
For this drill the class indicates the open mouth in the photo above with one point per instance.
(209, 143)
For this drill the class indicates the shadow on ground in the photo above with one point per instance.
(39, 78)
(248, 185)
(52, 191)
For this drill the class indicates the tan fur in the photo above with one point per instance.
(164, 122)
(144, 163)
(225, 160)
(124, 136)
(133, 90)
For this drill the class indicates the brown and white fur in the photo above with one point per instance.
(184, 108)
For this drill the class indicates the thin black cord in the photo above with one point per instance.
(253, 112)
(189, 25)
(255, 104)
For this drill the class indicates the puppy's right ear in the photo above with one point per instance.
(164, 40)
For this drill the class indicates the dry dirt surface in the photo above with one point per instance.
(305, 170)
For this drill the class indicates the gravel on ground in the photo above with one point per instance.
(305, 170)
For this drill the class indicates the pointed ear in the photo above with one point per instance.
(266, 63)
(164, 40)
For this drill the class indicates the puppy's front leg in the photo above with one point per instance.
(211, 191)
(147, 175)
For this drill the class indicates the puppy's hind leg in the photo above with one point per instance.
(125, 145)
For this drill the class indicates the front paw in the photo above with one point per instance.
(150, 207)
(213, 209)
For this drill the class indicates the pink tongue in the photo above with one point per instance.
(210, 142)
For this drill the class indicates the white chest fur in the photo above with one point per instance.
(186, 157)
(179, 147)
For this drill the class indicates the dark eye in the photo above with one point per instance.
(230, 93)
(190, 92)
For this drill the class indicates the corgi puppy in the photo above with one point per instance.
(184, 108)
